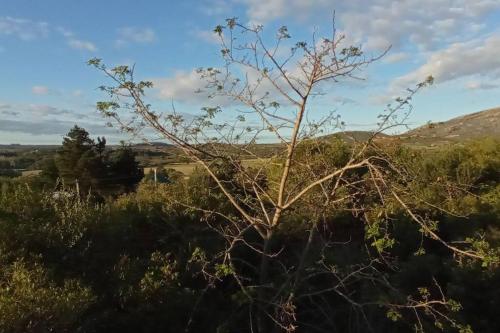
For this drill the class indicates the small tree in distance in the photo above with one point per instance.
(275, 85)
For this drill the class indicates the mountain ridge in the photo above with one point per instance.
(470, 126)
(462, 128)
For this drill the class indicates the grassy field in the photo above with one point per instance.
(31, 173)
(187, 168)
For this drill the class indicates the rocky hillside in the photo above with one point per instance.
(470, 126)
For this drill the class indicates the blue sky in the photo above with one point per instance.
(45, 86)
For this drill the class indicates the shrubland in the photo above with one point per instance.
(152, 260)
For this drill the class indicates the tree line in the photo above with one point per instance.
(85, 163)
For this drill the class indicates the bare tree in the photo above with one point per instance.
(265, 89)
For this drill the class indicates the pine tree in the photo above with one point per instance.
(81, 160)
(124, 169)
(78, 161)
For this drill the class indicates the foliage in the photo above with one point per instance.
(32, 302)
(164, 175)
(148, 261)
(81, 163)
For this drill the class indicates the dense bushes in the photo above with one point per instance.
(148, 261)
(30, 301)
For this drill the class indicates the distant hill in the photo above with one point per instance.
(471, 126)
(151, 144)
(17, 146)
(351, 136)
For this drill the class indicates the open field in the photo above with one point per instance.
(188, 168)
(28, 173)
(185, 168)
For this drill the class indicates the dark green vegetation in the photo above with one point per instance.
(148, 261)
(87, 166)
(16, 158)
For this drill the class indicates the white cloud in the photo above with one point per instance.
(82, 45)
(343, 100)
(189, 87)
(381, 99)
(396, 57)
(216, 7)
(42, 119)
(65, 32)
(478, 57)
(425, 23)
(481, 85)
(32, 111)
(433, 30)
(74, 42)
(77, 93)
(43, 110)
(207, 36)
(50, 127)
(182, 87)
(23, 28)
(40, 90)
(7, 110)
(26, 29)
(128, 35)
(262, 11)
